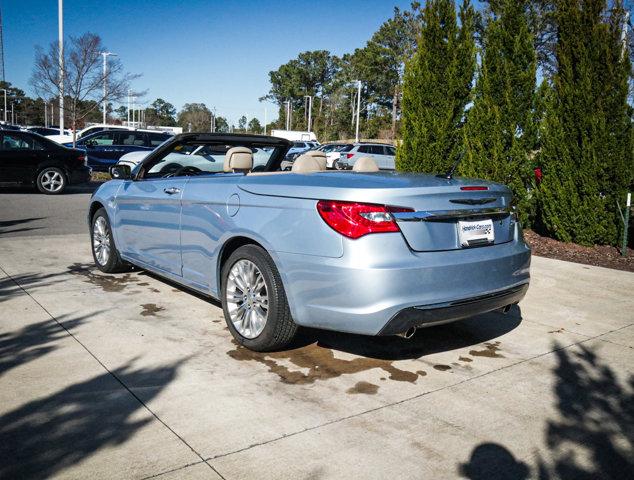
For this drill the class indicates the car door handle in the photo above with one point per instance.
(172, 190)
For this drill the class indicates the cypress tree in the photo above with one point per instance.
(436, 88)
(500, 131)
(586, 150)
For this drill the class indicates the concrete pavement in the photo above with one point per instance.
(127, 376)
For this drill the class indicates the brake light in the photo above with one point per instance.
(81, 158)
(472, 188)
(355, 220)
(349, 155)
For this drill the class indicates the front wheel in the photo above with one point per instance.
(254, 301)
(51, 181)
(104, 250)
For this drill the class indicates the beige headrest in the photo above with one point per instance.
(238, 159)
(305, 164)
(317, 155)
(365, 164)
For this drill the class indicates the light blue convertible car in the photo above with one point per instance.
(363, 251)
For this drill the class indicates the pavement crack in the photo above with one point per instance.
(409, 399)
(118, 380)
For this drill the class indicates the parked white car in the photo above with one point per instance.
(383, 155)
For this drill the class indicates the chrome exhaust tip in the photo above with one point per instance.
(409, 333)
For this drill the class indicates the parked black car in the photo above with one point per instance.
(32, 159)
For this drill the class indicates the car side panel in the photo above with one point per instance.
(216, 211)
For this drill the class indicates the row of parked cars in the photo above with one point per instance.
(343, 156)
(42, 157)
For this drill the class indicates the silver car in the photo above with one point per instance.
(368, 252)
(383, 155)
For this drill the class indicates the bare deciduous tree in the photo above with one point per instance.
(83, 76)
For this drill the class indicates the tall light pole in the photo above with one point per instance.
(310, 111)
(60, 47)
(5, 105)
(105, 56)
(45, 114)
(264, 120)
(288, 114)
(358, 109)
(12, 117)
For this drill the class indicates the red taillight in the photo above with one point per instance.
(81, 158)
(349, 155)
(472, 188)
(355, 220)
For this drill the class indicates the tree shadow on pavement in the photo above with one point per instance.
(426, 341)
(43, 437)
(593, 434)
(4, 224)
(33, 341)
(13, 285)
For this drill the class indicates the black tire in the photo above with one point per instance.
(47, 187)
(114, 263)
(280, 329)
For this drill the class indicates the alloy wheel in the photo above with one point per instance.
(52, 181)
(247, 298)
(101, 240)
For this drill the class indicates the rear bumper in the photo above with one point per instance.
(80, 175)
(428, 315)
(378, 284)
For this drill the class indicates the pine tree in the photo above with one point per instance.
(437, 86)
(500, 131)
(587, 143)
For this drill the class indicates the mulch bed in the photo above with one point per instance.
(598, 255)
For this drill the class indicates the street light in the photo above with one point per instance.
(288, 114)
(105, 81)
(60, 21)
(310, 110)
(358, 109)
(5, 105)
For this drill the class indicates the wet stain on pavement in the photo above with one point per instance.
(109, 283)
(321, 364)
(421, 373)
(442, 368)
(363, 387)
(465, 359)
(559, 330)
(491, 351)
(150, 310)
(144, 284)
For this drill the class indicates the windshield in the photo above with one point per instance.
(198, 158)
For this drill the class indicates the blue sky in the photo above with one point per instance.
(211, 51)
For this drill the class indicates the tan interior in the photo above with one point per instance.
(306, 164)
(317, 155)
(238, 159)
(365, 164)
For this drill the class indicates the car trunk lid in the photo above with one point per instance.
(446, 214)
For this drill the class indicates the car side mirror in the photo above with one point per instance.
(121, 172)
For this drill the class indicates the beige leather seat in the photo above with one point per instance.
(306, 164)
(238, 159)
(317, 155)
(365, 164)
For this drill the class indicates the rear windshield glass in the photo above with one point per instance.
(345, 148)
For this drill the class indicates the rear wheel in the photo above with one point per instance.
(104, 251)
(254, 302)
(51, 181)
